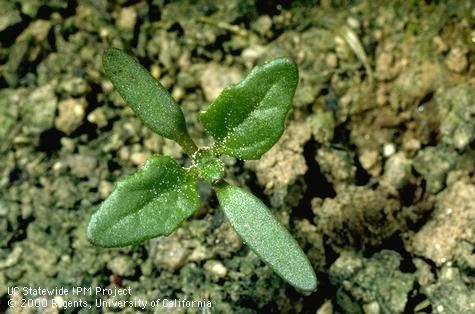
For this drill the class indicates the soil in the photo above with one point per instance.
(374, 175)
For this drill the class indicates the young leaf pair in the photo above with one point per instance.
(245, 121)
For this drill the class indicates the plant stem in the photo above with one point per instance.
(188, 145)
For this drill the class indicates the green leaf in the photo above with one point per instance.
(266, 236)
(247, 119)
(152, 202)
(147, 97)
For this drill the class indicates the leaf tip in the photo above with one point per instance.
(109, 60)
(290, 65)
(309, 285)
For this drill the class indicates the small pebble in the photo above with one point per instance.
(216, 267)
(389, 149)
(457, 60)
(70, 116)
(139, 158)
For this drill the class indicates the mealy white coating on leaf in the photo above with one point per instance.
(207, 166)
(152, 202)
(247, 119)
(266, 236)
(146, 96)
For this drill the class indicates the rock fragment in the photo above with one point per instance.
(452, 224)
(39, 108)
(71, 115)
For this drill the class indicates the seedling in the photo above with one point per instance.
(245, 121)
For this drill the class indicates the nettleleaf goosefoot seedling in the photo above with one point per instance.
(246, 120)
